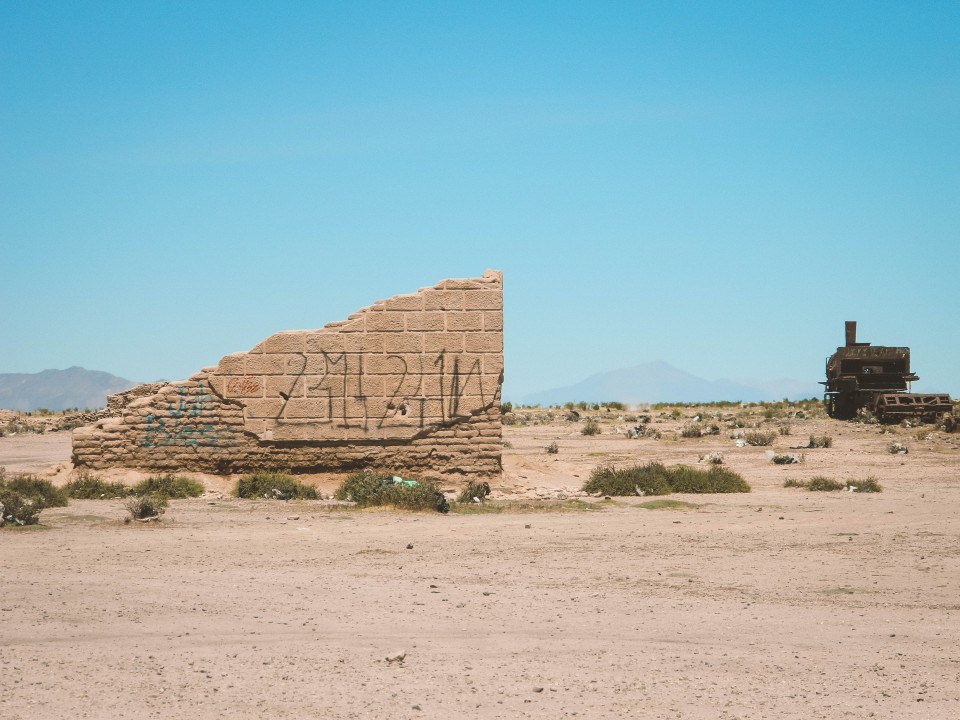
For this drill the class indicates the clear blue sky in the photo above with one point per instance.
(718, 185)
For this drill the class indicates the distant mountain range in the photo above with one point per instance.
(59, 389)
(662, 382)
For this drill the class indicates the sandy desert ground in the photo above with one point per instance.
(780, 603)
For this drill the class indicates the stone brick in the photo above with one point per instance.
(483, 300)
(425, 320)
(464, 321)
(386, 322)
(285, 342)
(237, 386)
(461, 285)
(403, 343)
(493, 320)
(442, 342)
(483, 343)
(232, 364)
(443, 300)
(404, 302)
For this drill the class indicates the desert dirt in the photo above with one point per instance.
(780, 603)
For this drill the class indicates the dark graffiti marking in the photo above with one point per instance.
(332, 393)
(183, 422)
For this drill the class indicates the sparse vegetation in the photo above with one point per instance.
(23, 496)
(143, 507)
(758, 438)
(656, 479)
(714, 458)
(786, 459)
(274, 486)
(590, 427)
(691, 430)
(820, 441)
(824, 484)
(552, 448)
(368, 488)
(784, 428)
(649, 479)
(170, 486)
(474, 492)
(87, 486)
(506, 407)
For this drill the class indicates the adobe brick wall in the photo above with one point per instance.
(410, 384)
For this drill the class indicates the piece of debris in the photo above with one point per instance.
(397, 656)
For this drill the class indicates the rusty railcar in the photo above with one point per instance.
(877, 378)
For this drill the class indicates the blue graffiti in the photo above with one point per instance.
(183, 425)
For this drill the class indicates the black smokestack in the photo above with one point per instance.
(851, 333)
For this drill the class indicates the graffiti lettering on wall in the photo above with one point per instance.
(182, 423)
(352, 391)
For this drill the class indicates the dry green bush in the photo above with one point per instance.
(273, 486)
(368, 488)
(474, 492)
(142, 507)
(656, 479)
(757, 438)
(87, 486)
(169, 485)
(590, 427)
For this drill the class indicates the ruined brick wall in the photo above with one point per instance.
(410, 384)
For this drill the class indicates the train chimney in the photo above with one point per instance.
(851, 333)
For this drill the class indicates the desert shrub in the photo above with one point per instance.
(823, 484)
(759, 438)
(142, 507)
(649, 479)
(273, 486)
(820, 441)
(686, 479)
(896, 448)
(87, 486)
(590, 427)
(423, 495)
(867, 485)
(784, 428)
(18, 509)
(793, 482)
(656, 479)
(474, 491)
(42, 492)
(614, 405)
(866, 417)
(506, 407)
(924, 435)
(552, 448)
(714, 458)
(368, 488)
(786, 459)
(691, 430)
(169, 485)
